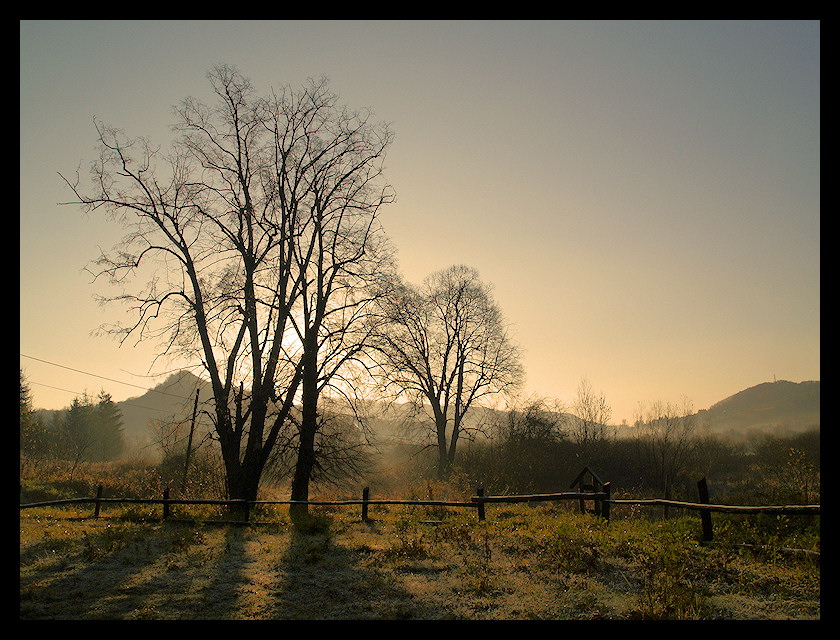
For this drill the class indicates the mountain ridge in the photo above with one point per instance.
(780, 407)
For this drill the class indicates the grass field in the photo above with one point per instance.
(412, 563)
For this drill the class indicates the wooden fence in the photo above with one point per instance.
(602, 504)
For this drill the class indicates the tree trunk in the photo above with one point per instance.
(303, 474)
(443, 450)
(242, 477)
(443, 466)
(243, 481)
(306, 446)
(453, 442)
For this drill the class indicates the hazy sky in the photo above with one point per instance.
(644, 196)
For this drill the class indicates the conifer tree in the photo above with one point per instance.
(108, 429)
(77, 434)
(33, 436)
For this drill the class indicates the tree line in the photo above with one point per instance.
(90, 430)
(538, 447)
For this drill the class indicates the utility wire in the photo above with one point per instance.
(123, 402)
(87, 373)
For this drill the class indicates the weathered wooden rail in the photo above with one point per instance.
(602, 499)
(477, 502)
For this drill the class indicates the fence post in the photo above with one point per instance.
(166, 503)
(705, 514)
(480, 493)
(189, 444)
(98, 498)
(605, 503)
(365, 498)
(597, 503)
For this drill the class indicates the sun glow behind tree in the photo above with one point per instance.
(255, 236)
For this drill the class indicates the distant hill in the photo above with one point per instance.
(780, 408)
(171, 400)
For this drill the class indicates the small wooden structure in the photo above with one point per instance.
(587, 481)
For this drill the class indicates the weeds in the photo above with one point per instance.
(523, 562)
(477, 568)
(670, 588)
(411, 543)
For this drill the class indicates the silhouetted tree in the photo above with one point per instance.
(665, 440)
(588, 425)
(445, 346)
(527, 442)
(251, 228)
(77, 433)
(34, 438)
(341, 256)
(534, 423)
(108, 429)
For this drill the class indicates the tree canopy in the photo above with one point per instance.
(445, 345)
(250, 243)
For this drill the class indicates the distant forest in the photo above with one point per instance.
(770, 430)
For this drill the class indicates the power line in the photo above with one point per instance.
(77, 393)
(87, 373)
(41, 384)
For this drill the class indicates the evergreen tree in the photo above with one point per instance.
(33, 436)
(77, 435)
(108, 429)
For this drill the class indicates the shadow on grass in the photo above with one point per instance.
(323, 580)
(94, 575)
(182, 570)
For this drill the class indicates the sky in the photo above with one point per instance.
(642, 195)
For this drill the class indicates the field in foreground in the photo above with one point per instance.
(408, 563)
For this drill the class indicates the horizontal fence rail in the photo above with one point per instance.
(790, 509)
(541, 497)
(234, 503)
(794, 509)
(602, 503)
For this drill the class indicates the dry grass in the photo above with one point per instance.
(407, 563)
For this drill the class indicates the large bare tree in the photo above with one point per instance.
(247, 233)
(446, 348)
(342, 256)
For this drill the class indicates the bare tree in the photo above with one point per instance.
(665, 439)
(341, 254)
(589, 422)
(445, 347)
(533, 423)
(225, 229)
(528, 445)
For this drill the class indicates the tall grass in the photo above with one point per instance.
(524, 561)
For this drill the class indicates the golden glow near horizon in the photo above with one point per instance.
(644, 196)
